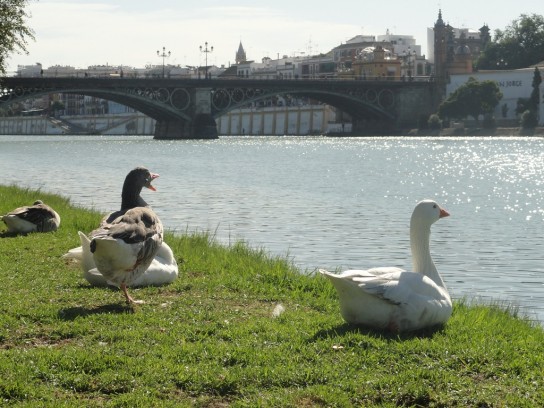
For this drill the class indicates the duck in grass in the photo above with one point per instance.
(392, 298)
(127, 241)
(37, 217)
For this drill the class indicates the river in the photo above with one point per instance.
(333, 203)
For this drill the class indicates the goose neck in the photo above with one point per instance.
(131, 198)
(421, 254)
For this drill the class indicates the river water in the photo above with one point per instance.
(332, 203)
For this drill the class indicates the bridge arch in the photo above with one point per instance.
(378, 105)
(138, 100)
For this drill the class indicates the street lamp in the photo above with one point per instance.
(502, 64)
(407, 56)
(206, 51)
(163, 55)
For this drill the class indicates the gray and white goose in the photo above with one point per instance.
(38, 217)
(126, 242)
(391, 298)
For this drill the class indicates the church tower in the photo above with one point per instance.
(440, 49)
(240, 54)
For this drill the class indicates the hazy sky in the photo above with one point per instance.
(129, 32)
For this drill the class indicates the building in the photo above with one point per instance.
(377, 63)
(514, 84)
(453, 49)
(30, 71)
(282, 68)
(401, 44)
(346, 54)
(414, 63)
(451, 37)
(280, 120)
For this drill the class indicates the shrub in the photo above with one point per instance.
(528, 120)
(489, 122)
(422, 122)
(434, 122)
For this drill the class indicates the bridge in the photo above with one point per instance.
(187, 108)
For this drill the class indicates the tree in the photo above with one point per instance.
(531, 103)
(520, 45)
(14, 33)
(474, 98)
(535, 94)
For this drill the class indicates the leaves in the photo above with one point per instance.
(14, 32)
(520, 45)
(474, 98)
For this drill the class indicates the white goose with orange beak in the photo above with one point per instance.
(392, 298)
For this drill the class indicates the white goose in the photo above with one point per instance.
(38, 217)
(163, 268)
(392, 298)
(127, 241)
(162, 271)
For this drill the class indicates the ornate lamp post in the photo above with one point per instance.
(163, 55)
(407, 57)
(502, 64)
(206, 51)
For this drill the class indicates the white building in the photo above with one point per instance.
(282, 68)
(513, 84)
(401, 44)
(29, 71)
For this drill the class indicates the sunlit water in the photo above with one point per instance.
(326, 202)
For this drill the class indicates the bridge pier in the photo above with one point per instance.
(202, 127)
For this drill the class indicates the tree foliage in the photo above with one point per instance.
(531, 103)
(535, 94)
(474, 98)
(435, 122)
(519, 45)
(14, 32)
(528, 120)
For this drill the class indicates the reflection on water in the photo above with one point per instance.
(326, 202)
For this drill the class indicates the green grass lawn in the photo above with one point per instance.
(210, 339)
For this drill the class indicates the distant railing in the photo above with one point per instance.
(322, 77)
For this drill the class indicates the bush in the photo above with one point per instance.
(489, 122)
(422, 122)
(434, 122)
(528, 120)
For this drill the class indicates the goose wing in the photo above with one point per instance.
(397, 286)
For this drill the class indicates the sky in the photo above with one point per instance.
(81, 33)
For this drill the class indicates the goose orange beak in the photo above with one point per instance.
(149, 185)
(443, 213)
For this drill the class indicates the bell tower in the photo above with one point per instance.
(240, 54)
(441, 39)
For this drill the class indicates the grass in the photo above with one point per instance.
(209, 339)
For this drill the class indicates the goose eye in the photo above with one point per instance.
(434, 205)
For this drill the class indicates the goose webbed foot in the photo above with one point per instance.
(129, 299)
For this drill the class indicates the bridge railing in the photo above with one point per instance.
(316, 77)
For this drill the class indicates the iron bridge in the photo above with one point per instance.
(187, 108)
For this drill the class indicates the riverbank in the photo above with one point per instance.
(451, 132)
(304, 121)
(502, 131)
(211, 338)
